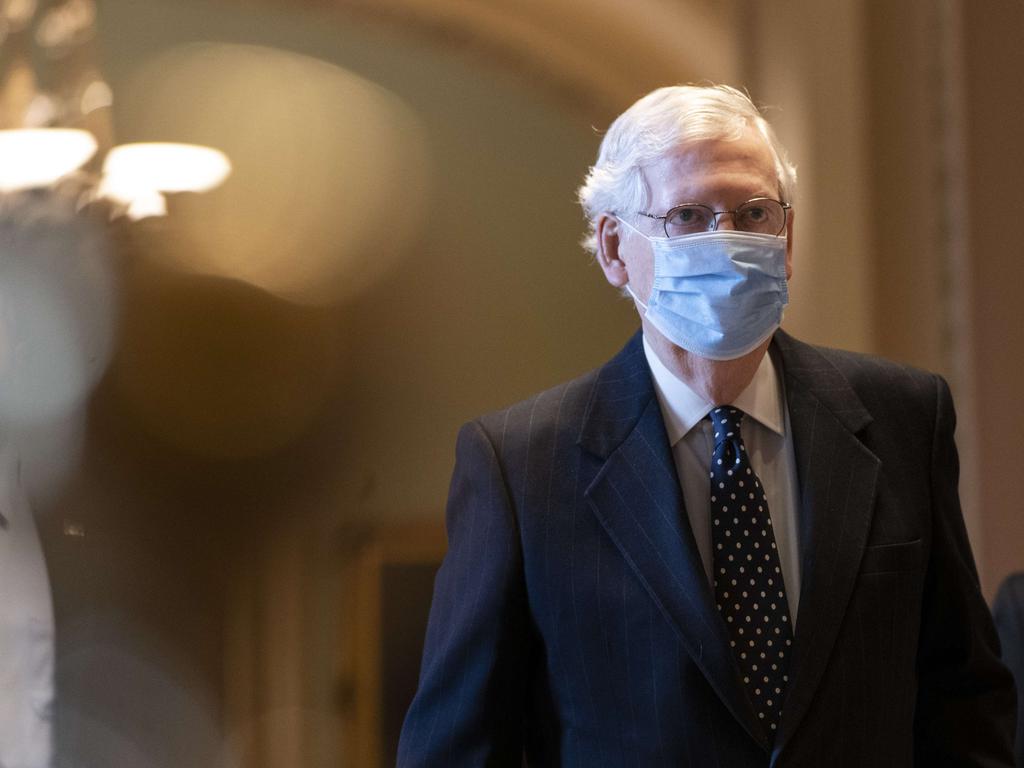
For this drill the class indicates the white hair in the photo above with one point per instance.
(659, 123)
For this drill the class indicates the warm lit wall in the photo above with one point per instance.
(807, 65)
(993, 59)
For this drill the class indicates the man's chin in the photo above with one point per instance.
(661, 342)
(756, 353)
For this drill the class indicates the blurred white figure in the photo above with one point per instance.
(56, 307)
(56, 332)
(26, 629)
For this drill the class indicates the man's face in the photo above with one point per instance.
(720, 174)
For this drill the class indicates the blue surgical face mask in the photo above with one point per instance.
(717, 294)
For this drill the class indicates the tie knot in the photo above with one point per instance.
(726, 421)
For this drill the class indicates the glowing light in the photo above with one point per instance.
(96, 95)
(34, 158)
(163, 167)
(146, 204)
(136, 174)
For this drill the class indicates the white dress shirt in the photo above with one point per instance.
(769, 442)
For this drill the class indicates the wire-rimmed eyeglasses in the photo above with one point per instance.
(760, 215)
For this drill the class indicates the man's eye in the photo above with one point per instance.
(688, 216)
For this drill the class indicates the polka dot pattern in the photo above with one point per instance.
(748, 582)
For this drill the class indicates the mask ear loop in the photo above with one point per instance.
(646, 237)
(636, 298)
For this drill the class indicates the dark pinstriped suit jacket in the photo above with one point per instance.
(572, 617)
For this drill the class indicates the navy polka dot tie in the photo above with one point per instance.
(748, 582)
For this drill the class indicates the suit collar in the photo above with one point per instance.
(808, 370)
(622, 391)
(624, 387)
(683, 408)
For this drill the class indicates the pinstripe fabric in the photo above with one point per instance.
(572, 617)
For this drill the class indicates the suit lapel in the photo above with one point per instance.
(837, 477)
(637, 499)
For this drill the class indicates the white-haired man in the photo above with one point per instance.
(724, 547)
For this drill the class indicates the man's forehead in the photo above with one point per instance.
(728, 166)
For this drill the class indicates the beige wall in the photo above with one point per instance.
(993, 59)
(807, 65)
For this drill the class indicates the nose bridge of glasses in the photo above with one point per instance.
(716, 221)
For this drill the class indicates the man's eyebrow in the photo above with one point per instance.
(748, 197)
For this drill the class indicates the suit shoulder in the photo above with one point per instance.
(881, 383)
(860, 367)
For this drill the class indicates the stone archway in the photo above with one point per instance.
(597, 57)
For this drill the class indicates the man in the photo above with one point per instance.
(724, 547)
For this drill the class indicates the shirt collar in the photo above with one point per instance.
(683, 408)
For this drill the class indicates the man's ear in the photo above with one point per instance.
(789, 244)
(608, 231)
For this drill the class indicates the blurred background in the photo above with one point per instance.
(259, 259)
